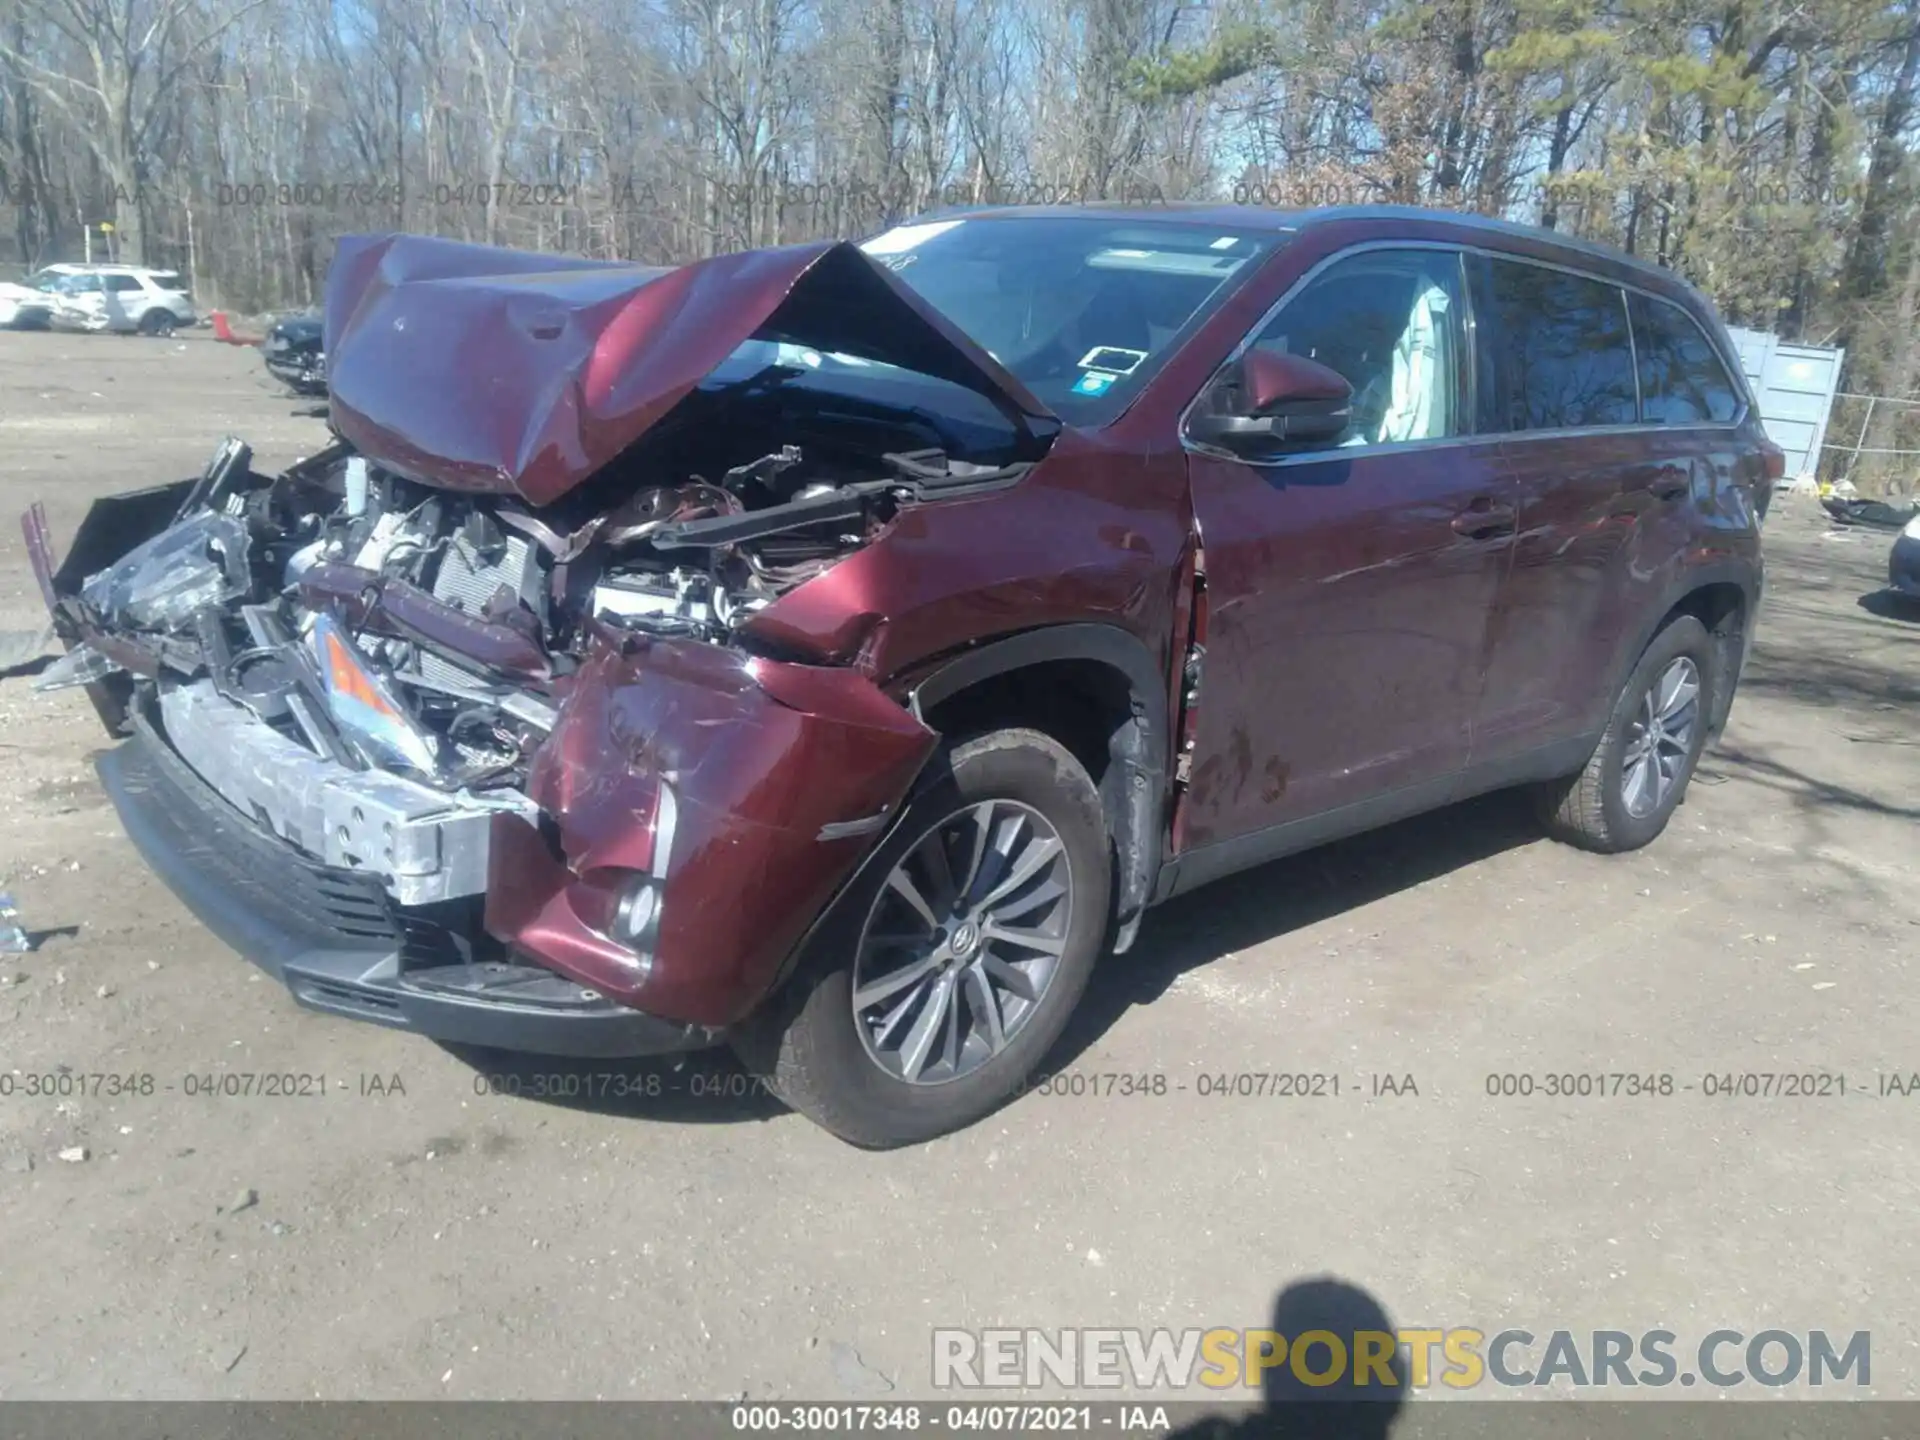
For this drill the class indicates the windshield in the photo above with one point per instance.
(1082, 309)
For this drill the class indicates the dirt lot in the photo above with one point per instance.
(418, 1237)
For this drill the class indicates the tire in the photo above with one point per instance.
(837, 1069)
(1602, 808)
(157, 323)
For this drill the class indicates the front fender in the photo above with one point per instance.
(750, 787)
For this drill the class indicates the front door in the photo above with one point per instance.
(1349, 589)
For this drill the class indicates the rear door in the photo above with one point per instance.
(1556, 365)
(1687, 389)
(1348, 588)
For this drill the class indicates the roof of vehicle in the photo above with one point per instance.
(1253, 217)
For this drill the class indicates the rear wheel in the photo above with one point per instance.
(159, 323)
(947, 972)
(1639, 772)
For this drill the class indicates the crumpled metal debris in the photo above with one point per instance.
(160, 584)
(81, 665)
(13, 935)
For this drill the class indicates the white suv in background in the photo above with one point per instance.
(124, 298)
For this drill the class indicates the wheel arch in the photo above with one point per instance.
(1102, 687)
(1723, 597)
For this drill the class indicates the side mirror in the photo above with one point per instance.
(1265, 403)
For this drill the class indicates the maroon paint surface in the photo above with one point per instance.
(1356, 641)
(500, 370)
(760, 756)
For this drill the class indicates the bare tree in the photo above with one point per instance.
(131, 55)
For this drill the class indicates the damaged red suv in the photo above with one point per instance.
(834, 650)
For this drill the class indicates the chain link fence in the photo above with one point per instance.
(1873, 444)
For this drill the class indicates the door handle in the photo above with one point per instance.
(1483, 520)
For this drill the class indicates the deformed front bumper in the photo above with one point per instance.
(337, 940)
(425, 845)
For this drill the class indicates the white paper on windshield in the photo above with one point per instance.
(903, 238)
(1115, 358)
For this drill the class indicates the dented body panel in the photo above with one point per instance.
(741, 744)
(777, 778)
(564, 363)
(559, 702)
(1093, 534)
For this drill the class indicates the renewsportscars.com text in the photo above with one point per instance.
(1458, 1359)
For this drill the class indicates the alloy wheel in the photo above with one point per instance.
(1659, 742)
(962, 942)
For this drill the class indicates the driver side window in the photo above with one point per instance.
(1389, 321)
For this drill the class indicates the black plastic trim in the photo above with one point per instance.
(223, 869)
(1201, 866)
(1138, 813)
(849, 502)
(1748, 576)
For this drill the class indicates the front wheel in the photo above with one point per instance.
(946, 973)
(1639, 772)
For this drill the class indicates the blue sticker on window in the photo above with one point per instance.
(1093, 382)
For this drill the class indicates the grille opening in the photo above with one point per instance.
(348, 997)
(447, 933)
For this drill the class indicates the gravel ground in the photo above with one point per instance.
(413, 1235)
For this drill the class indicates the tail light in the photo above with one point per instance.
(1774, 459)
(1773, 467)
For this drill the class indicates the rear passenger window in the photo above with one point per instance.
(1559, 350)
(1683, 381)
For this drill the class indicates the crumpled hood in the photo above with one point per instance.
(484, 369)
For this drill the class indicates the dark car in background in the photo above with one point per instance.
(834, 651)
(1900, 519)
(295, 352)
(1903, 561)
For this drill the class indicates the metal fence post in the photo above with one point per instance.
(1860, 442)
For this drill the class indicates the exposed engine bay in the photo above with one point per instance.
(389, 625)
(472, 722)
